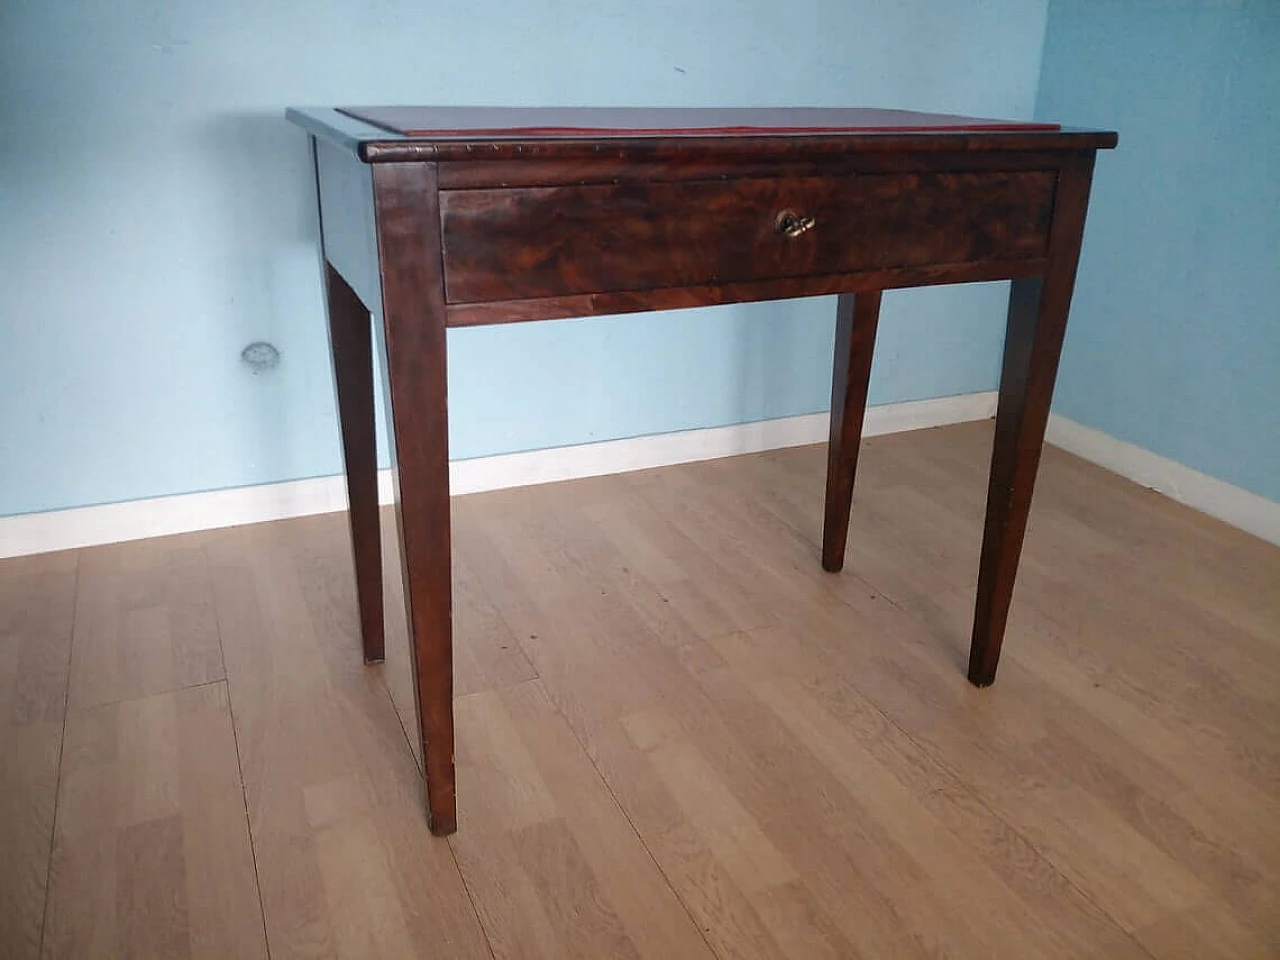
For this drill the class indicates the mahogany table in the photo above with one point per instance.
(449, 217)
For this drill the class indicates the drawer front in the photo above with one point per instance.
(503, 244)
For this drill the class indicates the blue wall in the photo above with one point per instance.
(1174, 341)
(156, 215)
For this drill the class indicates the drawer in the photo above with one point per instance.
(502, 244)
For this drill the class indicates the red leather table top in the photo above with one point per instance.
(587, 122)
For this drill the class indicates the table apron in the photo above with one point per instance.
(540, 242)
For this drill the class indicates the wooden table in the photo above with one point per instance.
(449, 217)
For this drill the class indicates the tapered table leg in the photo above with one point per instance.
(350, 340)
(1036, 326)
(413, 348)
(857, 315)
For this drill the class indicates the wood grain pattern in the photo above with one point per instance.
(413, 355)
(505, 244)
(37, 602)
(351, 346)
(1034, 334)
(556, 869)
(900, 205)
(152, 854)
(857, 316)
(486, 655)
(1048, 843)
(703, 744)
(346, 865)
(481, 172)
(332, 125)
(145, 622)
(709, 295)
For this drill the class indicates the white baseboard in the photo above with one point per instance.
(641, 453)
(1240, 508)
(160, 516)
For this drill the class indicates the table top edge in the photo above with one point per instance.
(373, 144)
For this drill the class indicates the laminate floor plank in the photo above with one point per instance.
(346, 865)
(152, 854)
(1066, 783)
(677, 736)
(37, 603)
(145, 621)
(545, 847)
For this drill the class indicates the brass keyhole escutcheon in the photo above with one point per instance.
(791, 224)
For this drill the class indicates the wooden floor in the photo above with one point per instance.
(677, 736)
